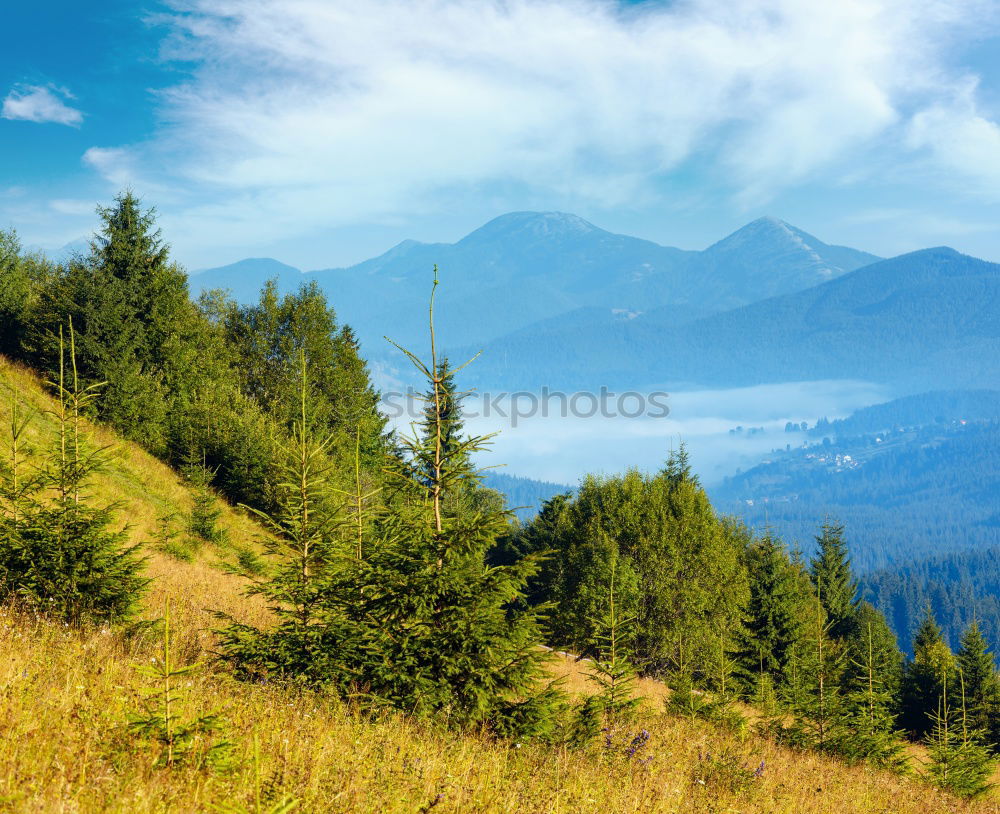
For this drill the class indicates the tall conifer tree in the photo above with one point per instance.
(924, 678)
(830, 571)
(982, 685)
(775, 619)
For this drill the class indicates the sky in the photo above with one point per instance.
(322, 132)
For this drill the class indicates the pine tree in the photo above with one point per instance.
(305, 554)
(959, 760)
(813, 691)
(869, 732)
(613, 671)
(125, 301)
(180, 741)
(982, 685)
(871, 639)
(925, 676)
(452, 633)
(830, 570)
(57, 551)
(775, 618)
(678, 469)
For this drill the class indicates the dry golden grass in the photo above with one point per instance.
(65, 695)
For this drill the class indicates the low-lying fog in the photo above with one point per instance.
(574, 438)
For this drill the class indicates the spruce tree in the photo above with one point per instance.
(813, 691)
(58, 552)
(925, 676)
(869, 721)
(125, 301)
(305, 558)
(959, 758)
(870, 639)
(775, 619)
(830, 571)
(451, 633)
(982, 685)
(613, 671)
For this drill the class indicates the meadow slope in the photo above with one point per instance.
(65, 697)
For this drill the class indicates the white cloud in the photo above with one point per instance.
(73, 206)
(961, 141)
(36, 103)
(310, 113)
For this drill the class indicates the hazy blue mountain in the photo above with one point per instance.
(766, 258)
(245, 278)
(918, 410)
(928, 319)
(67, 251)
(530, 267)
(525, 496)
(916, 484)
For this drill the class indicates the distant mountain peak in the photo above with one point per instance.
(254, 265)
(766, 229)
(538, 224)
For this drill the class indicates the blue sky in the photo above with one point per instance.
(321, 132)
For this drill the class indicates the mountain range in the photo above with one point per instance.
(551, 270)
(554, 300)
(928, 319)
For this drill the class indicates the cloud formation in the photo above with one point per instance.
(38, 103)
(310, 113)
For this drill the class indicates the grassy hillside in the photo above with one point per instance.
(65, 696)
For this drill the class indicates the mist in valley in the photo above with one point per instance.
(724, 430)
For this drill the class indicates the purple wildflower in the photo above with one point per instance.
(638, 742)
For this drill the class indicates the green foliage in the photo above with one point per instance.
(58, 553)
(268, 337)
(869, 723)
(179, 375)
(302, 569)
(670, 554)
(813, 684)
(981, 684)
(203, 523)
(180, 742)
(420, 621)
(776, 617)
(16, 283)
(612, 671)
(959, 758)
(870, 639)
(124, 300)
(836, 587)
(167, 540)
(925, 677)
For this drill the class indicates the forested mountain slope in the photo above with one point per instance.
(916, 482)
(901, 495)
(929, 319)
